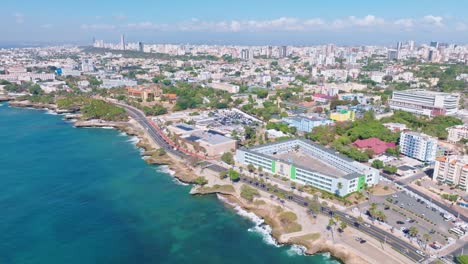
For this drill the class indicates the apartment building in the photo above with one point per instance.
(306, 124)
(423, 102)
(308, 163)
(457, 133)
(418, 146)
(452, 170)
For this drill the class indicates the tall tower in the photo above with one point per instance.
(122, 42)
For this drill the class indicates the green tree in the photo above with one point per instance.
(201, 181)
(228, 158)
(234, 175)
(378, 164)
(35, 89)
(413, 231)
(390, 169)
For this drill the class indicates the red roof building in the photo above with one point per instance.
(376, 145)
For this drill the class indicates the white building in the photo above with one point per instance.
(419, 146)
(305, 162)
(111, 83)
(422, 102)
(452, 170)
(457, 133)
(230, 88)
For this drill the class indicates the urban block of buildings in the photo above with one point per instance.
(418, 146)
(306, 124)
(457, 133)
(342, 115)
(308, 163)
(423, 102)
(452, 170)
(208, 142)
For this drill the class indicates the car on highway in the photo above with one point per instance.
(420, 253)
(366, 225)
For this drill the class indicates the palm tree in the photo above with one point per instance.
(360, 220)
(426, 238)
(343, 226)
(413, 231)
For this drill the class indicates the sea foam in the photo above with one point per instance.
(260, 227)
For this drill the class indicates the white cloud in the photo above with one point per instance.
(433, 20)
(404, 22)
(146, 25)
(97, 27)
(294, 24)
(366, 21)
(19, 18)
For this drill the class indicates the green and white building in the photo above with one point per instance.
(308, 163)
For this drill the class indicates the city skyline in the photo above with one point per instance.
(243, 23)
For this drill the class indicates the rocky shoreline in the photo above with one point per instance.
(186, 174)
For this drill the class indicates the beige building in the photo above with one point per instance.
(452, 170)
(209, 143)
(457, 133)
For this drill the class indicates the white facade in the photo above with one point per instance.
(347, 176)
(419, 146)
(457, 133)
(452, 170)
(424, 102)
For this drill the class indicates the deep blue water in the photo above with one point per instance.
(71, 195)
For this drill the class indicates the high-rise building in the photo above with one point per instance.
(392, 54)
(419, 146)
(283, 51)
(411, 45)
(245, 54)
(423, 102)
(452, 170)
(141, 47)
(434, 44)
(269, 51)
(399, 45)
(122, 42)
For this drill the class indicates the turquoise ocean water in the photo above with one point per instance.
(71, 195)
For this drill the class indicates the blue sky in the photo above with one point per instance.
(235, 22)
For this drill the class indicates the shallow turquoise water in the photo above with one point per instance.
(71, 195)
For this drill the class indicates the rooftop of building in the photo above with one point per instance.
(212, 138)
(376, 145)
(308, 163)
(417, 134)
(301, 159)
(423, 92)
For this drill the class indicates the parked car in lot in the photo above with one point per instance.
(400, 222)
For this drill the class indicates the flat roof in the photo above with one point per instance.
(302, 159)
(184, 127)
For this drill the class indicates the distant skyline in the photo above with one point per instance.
(240, 22)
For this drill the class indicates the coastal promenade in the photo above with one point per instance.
(399, 245)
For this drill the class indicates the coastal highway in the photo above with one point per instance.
(140, 117)
(398, 244)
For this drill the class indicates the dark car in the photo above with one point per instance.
(400, 222)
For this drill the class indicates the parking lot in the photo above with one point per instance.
(403, 211)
